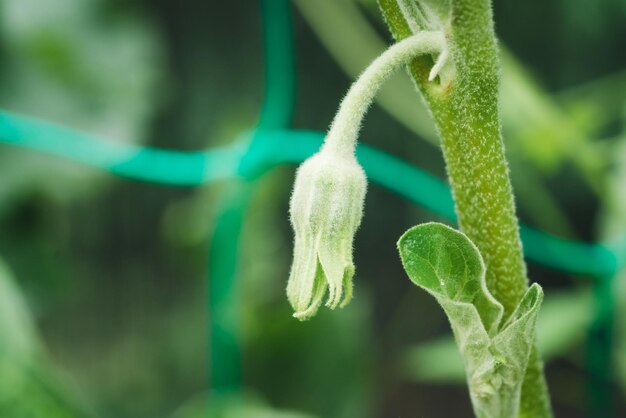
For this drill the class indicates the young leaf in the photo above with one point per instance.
(496, 388)
(446, 264)
(564, 318)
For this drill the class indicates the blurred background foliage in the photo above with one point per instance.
(103, 295)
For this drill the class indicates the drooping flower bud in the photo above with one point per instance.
(327, 200)
(326, 210)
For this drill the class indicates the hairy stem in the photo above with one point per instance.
(344, 130)
(465, 109)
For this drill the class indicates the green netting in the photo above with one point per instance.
(258, 151)
(272, 144)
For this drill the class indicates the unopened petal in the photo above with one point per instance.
(347, 285)
(302, 277)
(335, 255)
(319, 289)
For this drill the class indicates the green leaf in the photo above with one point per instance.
(446, 264)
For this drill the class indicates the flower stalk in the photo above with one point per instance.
(343, 132)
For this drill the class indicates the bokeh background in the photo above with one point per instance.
(103, 280)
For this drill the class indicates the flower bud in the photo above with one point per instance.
(326, 210)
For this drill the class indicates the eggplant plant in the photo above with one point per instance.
(477, 273)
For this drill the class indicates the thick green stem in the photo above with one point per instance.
(465, 109)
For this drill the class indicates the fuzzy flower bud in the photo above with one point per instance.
(327, 200)
(326, 210)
